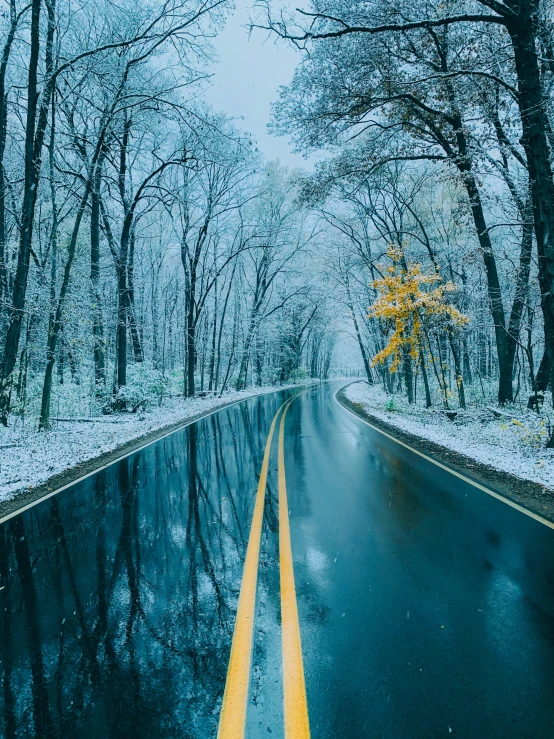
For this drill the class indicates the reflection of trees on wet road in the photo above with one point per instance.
(119, 596)
(417, 594)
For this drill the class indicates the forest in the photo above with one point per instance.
(147, 248)
(276, 369)
(439, 187)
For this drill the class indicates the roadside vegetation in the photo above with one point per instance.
(149, 253)
(146, 249)
(439, 188)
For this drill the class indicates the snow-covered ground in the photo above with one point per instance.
(29, 458)
(512, 443)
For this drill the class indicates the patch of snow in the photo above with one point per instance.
(513, 444)
(29, 458)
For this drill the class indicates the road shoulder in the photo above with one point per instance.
(530, 495)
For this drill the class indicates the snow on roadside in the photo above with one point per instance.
(29, 458)
(511, 444)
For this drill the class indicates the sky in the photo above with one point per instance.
(246, 80)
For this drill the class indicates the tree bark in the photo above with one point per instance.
(191, 353)
(521, 290)
(34, 139)
(14, 20)
(55, 320)
(535, 143)
(97, 322)
(454, 348)
(214, 342)
(543, 374)
(221, 325)
(132, 316)
(428, 401)
(232, 353)
(363, 351)
(121, 332)
(241, 382)
(408, 375)
(505, 389)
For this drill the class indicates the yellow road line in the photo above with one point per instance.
(477, 485)
(297, 725)
(232, 720)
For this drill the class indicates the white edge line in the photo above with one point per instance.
(184, 425)
(477, 485)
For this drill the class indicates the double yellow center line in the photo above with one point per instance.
(232, 721)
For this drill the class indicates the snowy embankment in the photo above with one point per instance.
(510, 442)
(29, 458)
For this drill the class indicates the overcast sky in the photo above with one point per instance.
(246, 81)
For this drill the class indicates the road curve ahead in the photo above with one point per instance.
(382, 596)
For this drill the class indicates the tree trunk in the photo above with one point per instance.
(220, 335)
(428, 401)
(121, 334)
(24, 358)
(522, 287)
(214, 342)
(34, 139)
(14, 20)
(543, 374)
(241, 382)
(191, 354)
(535, 142)
(138, 355)
(457, 368)
(203, 352)
(505, 390)
(462, 160)
(55, 320)
(61, 365)
(97, 322)
(408, 375)
(363, 351)
(232, 353)
(440, 377)
(468, 376)
(539, 383)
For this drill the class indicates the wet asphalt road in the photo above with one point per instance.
(426, 606)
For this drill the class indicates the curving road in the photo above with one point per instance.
(425, 607)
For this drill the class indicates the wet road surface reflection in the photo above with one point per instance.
(426, 606)
(120, 593)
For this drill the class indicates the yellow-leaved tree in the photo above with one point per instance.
(413, 303)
